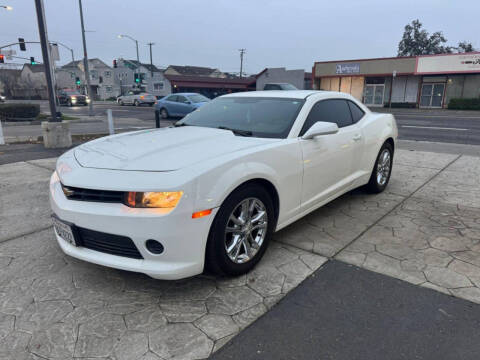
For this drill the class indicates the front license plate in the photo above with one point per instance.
(64, 230)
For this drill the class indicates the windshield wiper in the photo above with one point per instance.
(237, 131)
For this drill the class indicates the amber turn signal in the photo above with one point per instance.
(202, 213)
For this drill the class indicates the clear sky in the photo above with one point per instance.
(287, 33)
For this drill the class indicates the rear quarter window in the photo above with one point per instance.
(357, 113)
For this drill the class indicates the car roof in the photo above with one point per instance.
(186, 94)
(290, 94)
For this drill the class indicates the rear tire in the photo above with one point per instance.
(240, 232)
(382, 170)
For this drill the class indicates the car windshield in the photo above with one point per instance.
(72, 92)
(198, 98)
(288, 87)
(248, 116)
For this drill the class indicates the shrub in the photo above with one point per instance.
(464, 104)
(19, 111)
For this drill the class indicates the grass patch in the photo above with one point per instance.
(43, 116)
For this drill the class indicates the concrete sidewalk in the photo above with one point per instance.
(425, 229)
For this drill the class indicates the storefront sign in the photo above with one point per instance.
(351, 68)
(446, 64)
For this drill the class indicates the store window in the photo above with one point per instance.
(432, 95)
(374, 91)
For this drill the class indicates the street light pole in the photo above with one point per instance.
(85, 62)
(42, 29)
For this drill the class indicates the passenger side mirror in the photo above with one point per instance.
(320, 128)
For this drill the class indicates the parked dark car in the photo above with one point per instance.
(72, 98)
(279, 86)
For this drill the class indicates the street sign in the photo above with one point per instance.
(54, 52)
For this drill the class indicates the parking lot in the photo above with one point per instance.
(424, 230)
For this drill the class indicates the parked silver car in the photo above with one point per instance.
(136, 98)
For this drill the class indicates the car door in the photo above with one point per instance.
(128, 98)
(171, 104)
(184, 105)
(328, 159)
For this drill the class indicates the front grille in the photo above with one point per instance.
(108, 243)
(74, 193)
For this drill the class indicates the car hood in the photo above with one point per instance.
(165, 149)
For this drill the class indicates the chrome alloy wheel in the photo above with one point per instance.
(246, 230)
(383, 167)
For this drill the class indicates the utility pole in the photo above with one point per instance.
(85, 62)
(151, 62)
(42, 29)
(242, 52)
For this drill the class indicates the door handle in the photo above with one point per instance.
(357, 137)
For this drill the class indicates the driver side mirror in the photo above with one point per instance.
(320, 128)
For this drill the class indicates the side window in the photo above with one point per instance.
(172, 98)
(335, 111)
(357, 113)
(272, 87)
(182, 99)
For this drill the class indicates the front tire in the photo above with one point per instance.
(382, 170)
(164, 113)
(136, 103)
(241, 231)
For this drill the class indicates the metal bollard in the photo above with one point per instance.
(111, 129)
(2, 140)
(157, 119)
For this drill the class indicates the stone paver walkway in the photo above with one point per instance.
(56, 307)
(425, 229)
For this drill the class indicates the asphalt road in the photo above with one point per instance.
(439, 127)
(421, 125)
(344, 312)
(143, 112)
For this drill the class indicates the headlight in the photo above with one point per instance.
(166, 199)
(87, 100)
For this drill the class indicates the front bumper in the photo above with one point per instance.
(184, 239)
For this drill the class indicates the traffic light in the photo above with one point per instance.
(137, 78)
(2, 59)
(32, 61)
(22, 44)
(77, 80)
(114, 63)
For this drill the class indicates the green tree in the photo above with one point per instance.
(417, 41)
(465, 47)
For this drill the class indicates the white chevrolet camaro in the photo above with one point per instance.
(210, 191)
